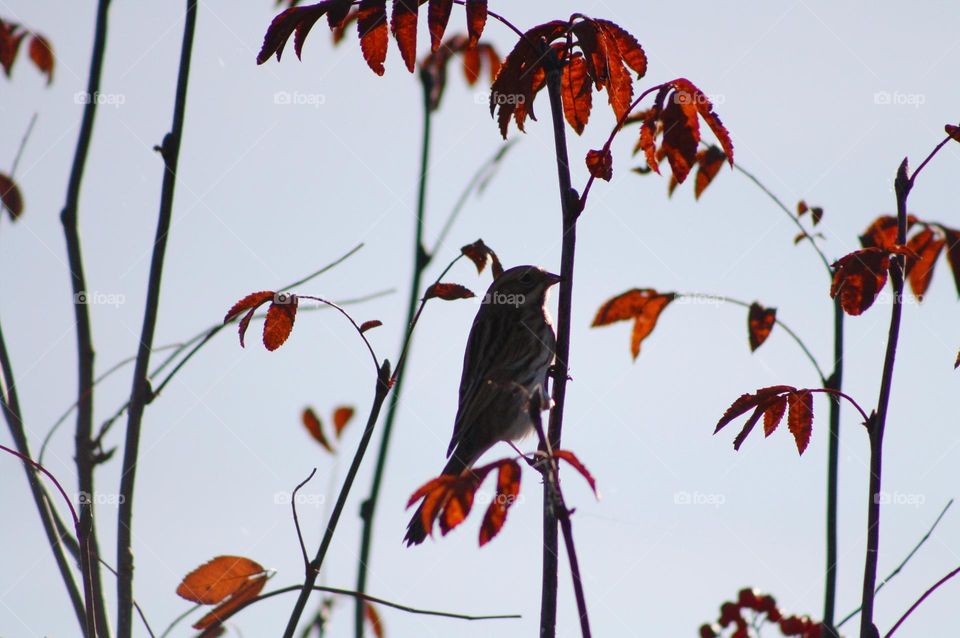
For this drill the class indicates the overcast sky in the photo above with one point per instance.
(822, 100)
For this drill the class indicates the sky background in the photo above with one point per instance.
(269, 192)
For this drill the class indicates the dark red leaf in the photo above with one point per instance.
(773, 414)
(448, 292)
(476, 19)
(800, 417)
(508, 487)
(341, 417)
(479, 253)
(882, 232)
(952, 131)
(314, 426)
(438, 14)
(750, 401)
(251, 302)
(709, 163)
(760, 322)
(927, 247)
(279, 322)
(42, 55)
(859, 277)
(403, 23)
(11, 197)
(572, 459)
(600, 164)
(372, 29)
(368, 325)
(953, 254)
(10, 39)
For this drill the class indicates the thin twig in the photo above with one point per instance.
(140, 393)
(136, 605)
(903, 563)
(296, 519)
(920, 600)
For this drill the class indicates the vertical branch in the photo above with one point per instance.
(10, 404)
(313, 568)
(570, 209)
(89, 551)
(140, 393)
(835, 382)
(902, 185)
(420, 261)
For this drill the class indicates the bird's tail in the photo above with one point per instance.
(416, 532)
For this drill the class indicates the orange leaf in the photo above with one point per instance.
(42, 55)
(800, 418)
(647, 142)
(372, 28)
(476, 19)
(773, 414)
(642, 305)
(760, 322)
(376, 624)
(315, 427)
(279, 322)
(448, 292)
(802, 208)
(508, 487)
(438, 14)
(457, 506)
(882, 232)
(627, 46)
(681, 132)
(572, 459)
(341, 416)
(600, 164)
(576, 92)
(369, 325)
(403, 23)
(709, 163)
(11, 197)
(927, 247)
(218, 578)
(859, 277)
(245, 593)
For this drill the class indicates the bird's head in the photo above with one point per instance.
(521, 286)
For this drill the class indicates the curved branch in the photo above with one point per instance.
(920, 600)
(296, 519)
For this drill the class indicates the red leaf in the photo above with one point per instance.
(705, 109)
(647, 142)
(251, 302)
(372, 28)
(681, 132)
(760, 322)
(927, 247)
(508, 487)
(338, 13)
(600, 164)
(882, 232)
(42, 55)
(457, 506)
(438, 14)
(802, 208)
(748, 426)
(299, 19)
(577, 93)
(859, 277)
(572, 459)
(749, 401)
(642, 305)
(279, 321)
(476, 19)
(403, 23)
(952, 131)
(341, 416)
(800, 418)
(314, 426)
(369, 325)
(10, 39)
(376, 624)
(773, 414)
(218, 578)
(709, 163)
(448, 292)
(11, 197)
(478, 252)
(627, 46)
(246, 592)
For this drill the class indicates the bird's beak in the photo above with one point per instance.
(553, 279)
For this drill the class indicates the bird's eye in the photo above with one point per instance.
(526, 277)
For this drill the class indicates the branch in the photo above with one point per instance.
(296, 519)
(920, 600)
(140, 393)
(87, 535)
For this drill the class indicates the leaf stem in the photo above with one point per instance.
(920, 600)
(140, 393)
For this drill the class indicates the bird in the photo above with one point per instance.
(507, 358)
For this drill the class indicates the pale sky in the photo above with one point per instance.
(269, 192)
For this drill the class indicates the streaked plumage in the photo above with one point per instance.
(509, 350)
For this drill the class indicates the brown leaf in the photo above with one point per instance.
(376, 624)
(574, 462)
(800, 417)
(372, 29)
(479, 253)
(953, 254)
(952, 131)
(709, 163)
(817, 214)
(341, 417)
(859, 277)
(600, 164)
(438, 14)
(802, 208)
(42, 55)
(315, 427)
(927, 247)
(403, 23)
(218, 578)
(476, 19)
(279, 322)
(577, 93)
(642, 305)
(10, 39)
(448, 292)
(760, 322)
(245, 593)
(956, 363)
(508, 487)
(11, 197)
(369, 325)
